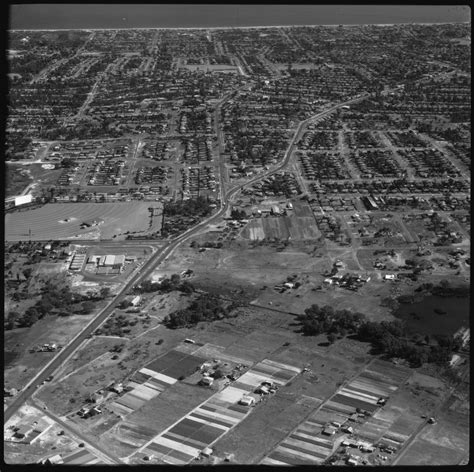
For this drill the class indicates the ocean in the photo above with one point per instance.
(113, 16)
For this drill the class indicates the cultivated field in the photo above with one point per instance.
(282, 227)
(62, 221)
(307, 444)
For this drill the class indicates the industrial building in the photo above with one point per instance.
(108, 264)
(77, 262)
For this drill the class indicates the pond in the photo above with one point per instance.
(435, 315)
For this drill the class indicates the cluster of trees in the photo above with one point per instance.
(178, 216)
(444, 289)
(317, 320)
(68, 162)
(31, 246)
(199, 206)
(204, 308)
(58, 300)
(116, 325)
(212, 244)
(237, 214)
(165, 286)
(390, 338)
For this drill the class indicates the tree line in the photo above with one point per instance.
(164, 286)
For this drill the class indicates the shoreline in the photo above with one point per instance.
(187, 28)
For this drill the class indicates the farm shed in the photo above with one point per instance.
(352, 461)
(56, 459)
(207, 452)
(208, 381)
(247, 400)
(329, 431)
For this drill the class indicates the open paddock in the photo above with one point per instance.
(50, 329)
(406, 424)
(17, 178)
(423, 452)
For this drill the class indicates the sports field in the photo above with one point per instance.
(63, 221)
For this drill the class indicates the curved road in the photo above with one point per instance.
(151, 265)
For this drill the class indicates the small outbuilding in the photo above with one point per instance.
(247, 400)
(329, 431)
(207, 452)
(207, 381)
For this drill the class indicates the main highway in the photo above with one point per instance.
(155, 260)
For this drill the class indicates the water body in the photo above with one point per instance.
(428, 321)
(77, 16)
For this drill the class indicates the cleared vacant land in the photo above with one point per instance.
(63, 221)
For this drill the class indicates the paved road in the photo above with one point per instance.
(150, 266)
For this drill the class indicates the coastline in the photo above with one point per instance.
(349, 25)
